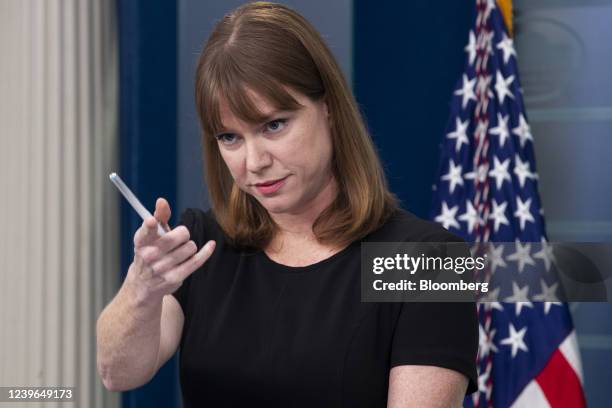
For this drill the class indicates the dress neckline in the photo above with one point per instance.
(306, 268)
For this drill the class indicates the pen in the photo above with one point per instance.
(136, 204)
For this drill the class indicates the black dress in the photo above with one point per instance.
(258, 333)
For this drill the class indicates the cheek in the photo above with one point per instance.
(312, 146)
(234, 163)
(319, 149)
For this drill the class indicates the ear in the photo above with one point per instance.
(326, 111)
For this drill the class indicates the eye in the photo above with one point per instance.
(227, 139)
(276, 125)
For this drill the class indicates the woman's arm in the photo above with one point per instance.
(141, 328)
(425, 386)
(135, 338)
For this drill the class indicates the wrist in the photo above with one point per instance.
(137, 293)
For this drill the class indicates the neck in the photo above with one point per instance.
(299, 223)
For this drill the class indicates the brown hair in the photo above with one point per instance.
(267, 48)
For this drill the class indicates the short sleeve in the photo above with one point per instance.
(443, 334)
(188, 219)
(438, 334)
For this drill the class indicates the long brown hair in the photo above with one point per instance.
(267, 48)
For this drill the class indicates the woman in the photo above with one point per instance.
(267, 312)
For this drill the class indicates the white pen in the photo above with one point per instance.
(136, 204)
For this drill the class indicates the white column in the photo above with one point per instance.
(59, 244)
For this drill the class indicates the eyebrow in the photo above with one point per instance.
(266, 118)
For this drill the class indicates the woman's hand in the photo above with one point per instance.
(161, 264)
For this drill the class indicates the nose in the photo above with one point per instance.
(257, 157)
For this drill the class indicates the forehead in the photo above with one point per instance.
(262, 107)
(254, 108)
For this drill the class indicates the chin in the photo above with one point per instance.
(275, 208)
(276, 205)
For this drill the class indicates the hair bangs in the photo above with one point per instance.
(233, 83)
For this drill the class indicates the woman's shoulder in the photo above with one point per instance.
(404, 226)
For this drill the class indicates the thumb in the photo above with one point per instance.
(162, 212)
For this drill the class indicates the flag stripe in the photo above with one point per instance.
(569, 348)
(531, 397)
(560, 383)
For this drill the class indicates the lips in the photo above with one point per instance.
(269, 183)
(271, 186)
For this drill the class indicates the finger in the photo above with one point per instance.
(177, 256)
(195, 262)
(162, 212)
(147, 232)
(151, 232)
(173, 239)
(152, 252)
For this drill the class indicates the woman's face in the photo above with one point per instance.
(284, 162)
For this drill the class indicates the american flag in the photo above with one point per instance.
(487, 191)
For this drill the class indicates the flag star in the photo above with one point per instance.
(521, 256)
(479, 176)
(496, 257)
(515, 340)
(523, 131)
(501, 86)
(547, 306)
(488, 41)
(447, 217)
(545, 254)
(494, 305)
(459, 133)
(490, 7)
(498, 215)
(523, 213)
(501, 129)
(471, 47)
(482, 382)
(491, 300)
(500, 172)
(481, 128)
(486, 341)
(482, 85)
(482, 338)
(507, 47)
(548, 294)
(484, 41)
(519, 306)
(519, 297)
(454, 176)
(470, 216)
(522, 171)
(467, 90)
